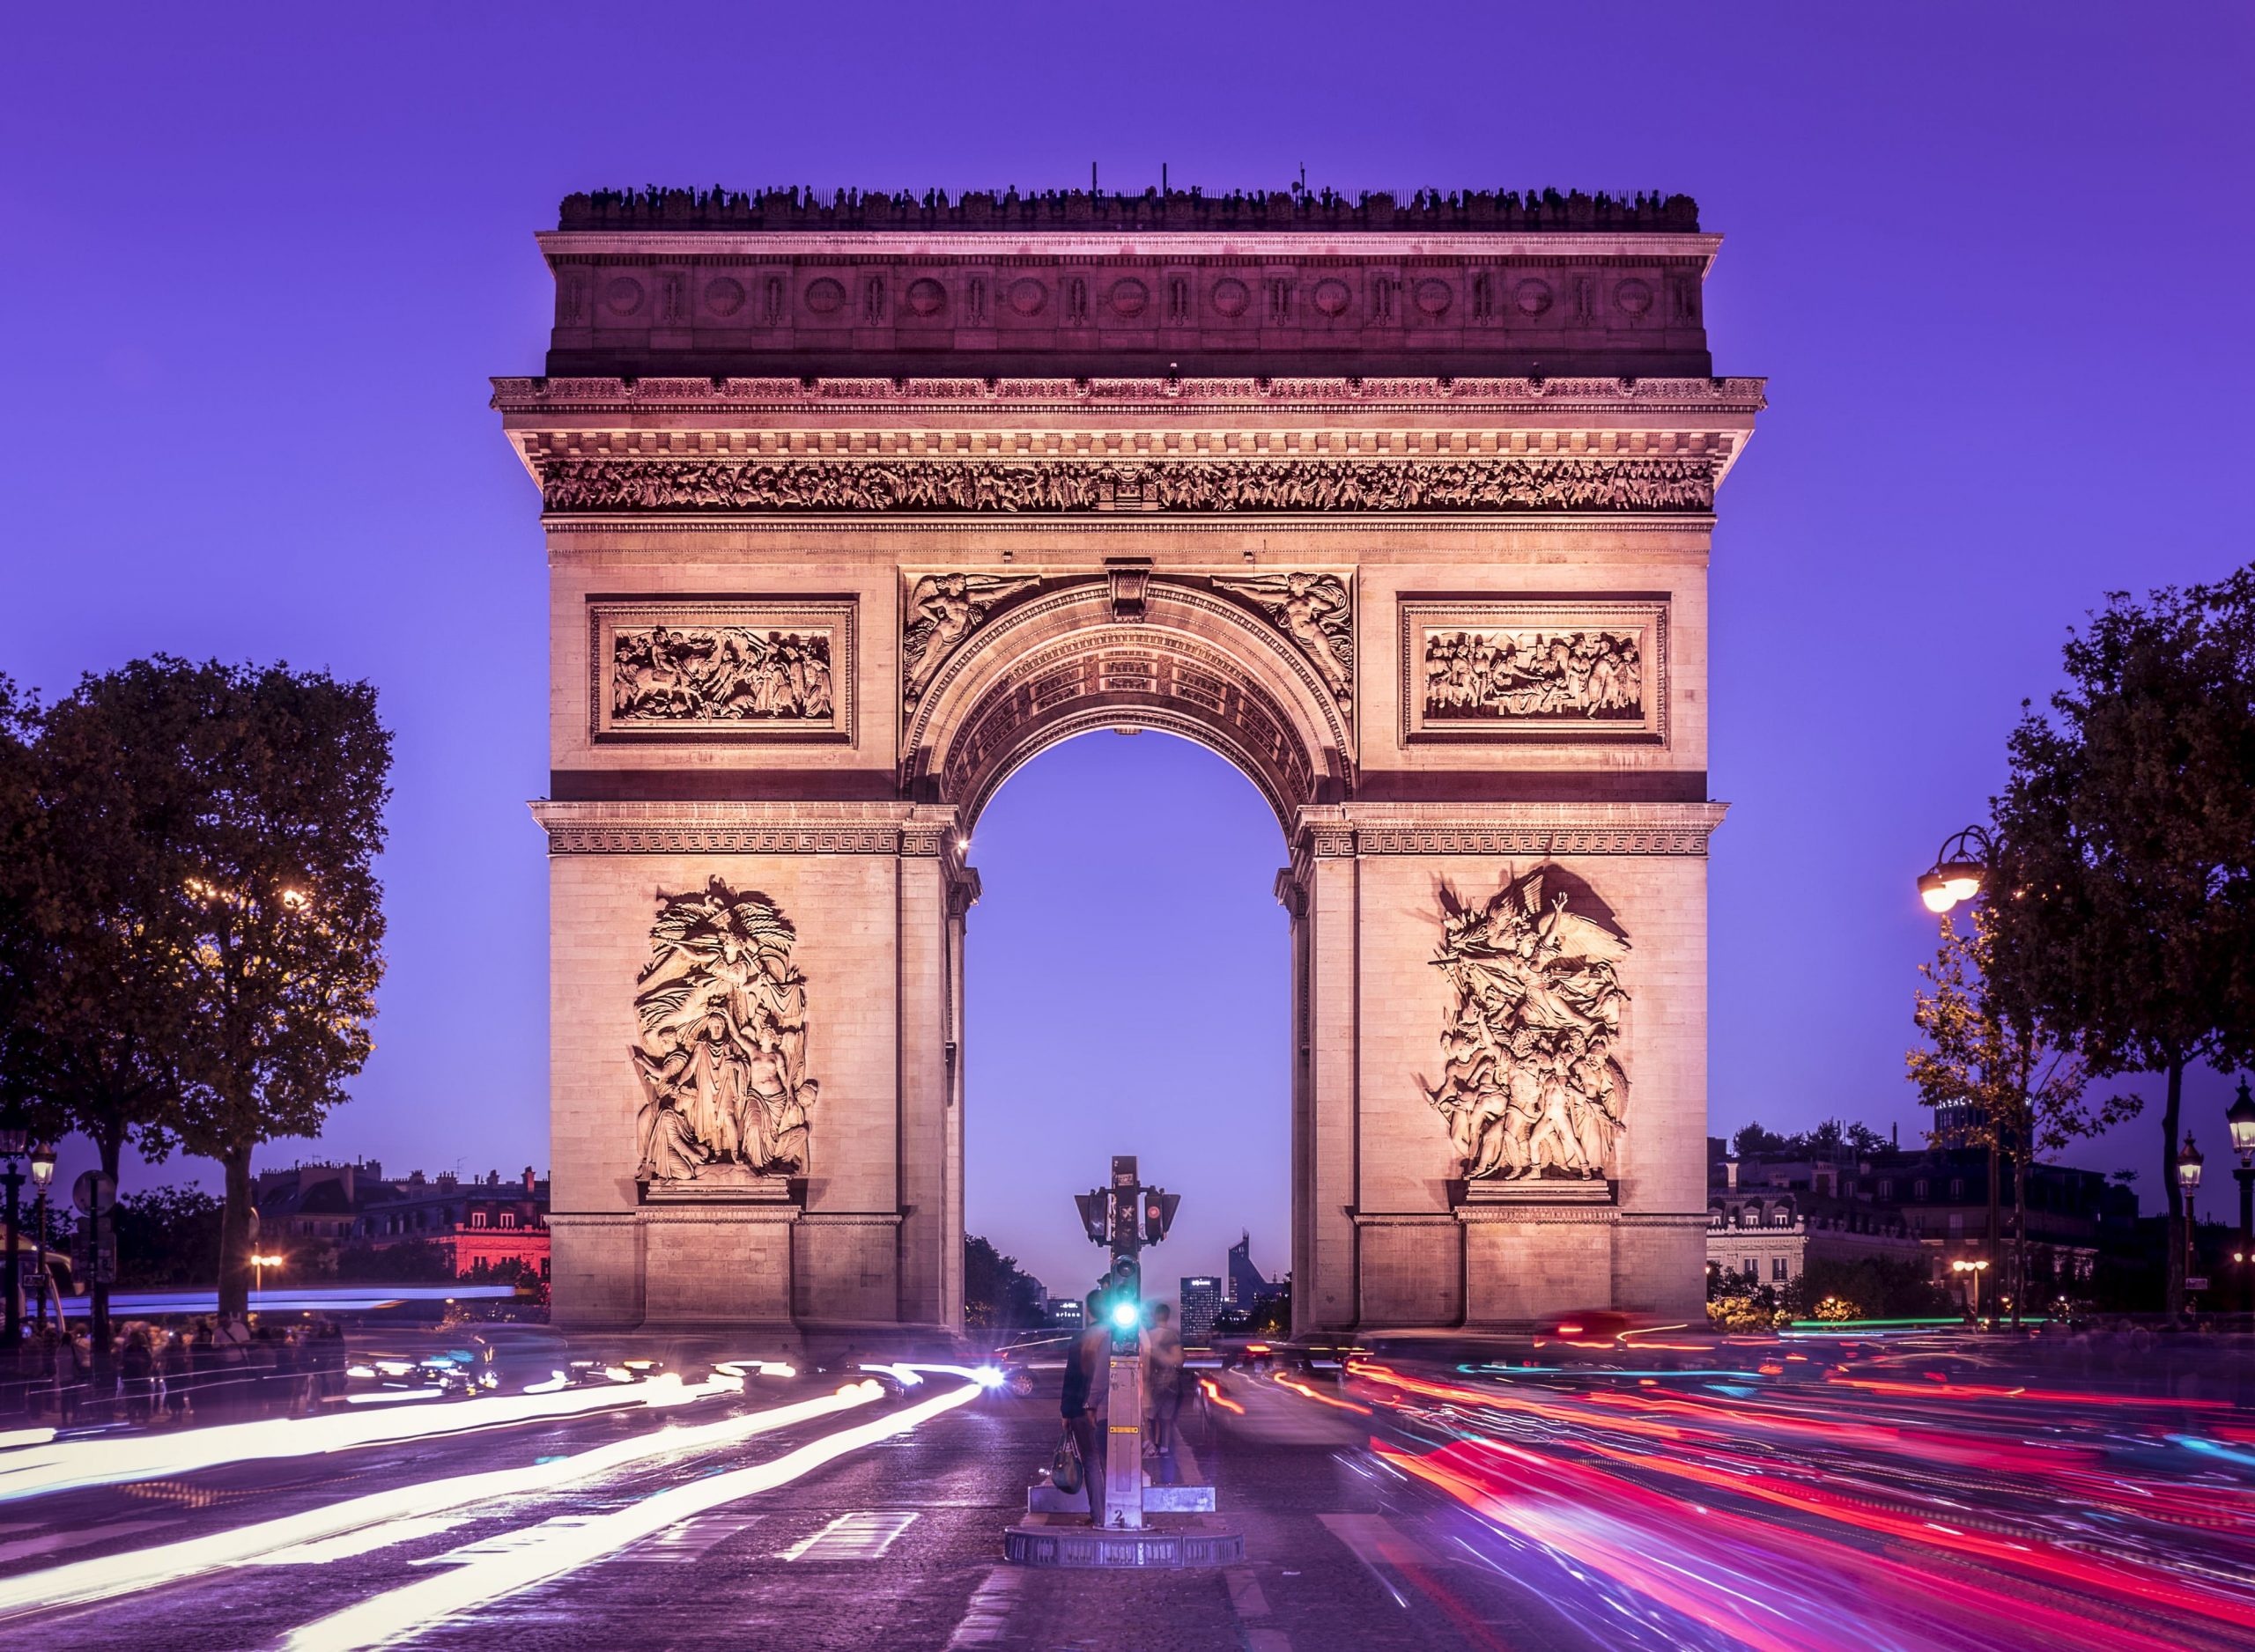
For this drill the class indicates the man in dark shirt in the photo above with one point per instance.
(1088, 1386)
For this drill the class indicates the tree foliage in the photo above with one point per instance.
(2022, 1088)
(997, 1295)
(190, 927)
(2123, 888)
(167, 1237)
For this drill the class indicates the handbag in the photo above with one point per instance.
(1067, 1472)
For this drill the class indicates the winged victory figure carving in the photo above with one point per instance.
(943, 609)
(1314, 610)
(1532, 1084)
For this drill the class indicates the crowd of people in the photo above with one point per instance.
(223, 1368)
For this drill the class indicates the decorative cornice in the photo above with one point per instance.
(746, 829)
(771, 214)
(1739, 395)
(1334, 831)
(1030, 485)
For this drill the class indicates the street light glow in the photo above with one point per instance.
(1125, 1316)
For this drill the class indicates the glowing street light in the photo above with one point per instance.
(2241, 1117)
(259, 1264)
(1973, 1270)
(1959, 870)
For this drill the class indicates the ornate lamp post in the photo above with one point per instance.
(2241, 1117)
(1959, 870)
(42, 1172)
(2189, 1159)
(13, 1139)
(1973, 1272)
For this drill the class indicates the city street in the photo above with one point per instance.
(1799, 1493)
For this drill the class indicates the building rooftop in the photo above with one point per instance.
(1296, 210)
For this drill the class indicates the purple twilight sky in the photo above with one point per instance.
(1992, 258)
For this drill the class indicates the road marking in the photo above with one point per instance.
(692, 1539)
(28, 1548)
(856, 1537)
(509, 1541)
(1250, 1606)
(987, 1617)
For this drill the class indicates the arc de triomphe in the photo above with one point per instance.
(854, 506)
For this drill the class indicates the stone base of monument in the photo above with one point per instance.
(1171, 1541)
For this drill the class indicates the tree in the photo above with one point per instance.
(168, 1237)
(1753, 1141)
(997, 1295)
(107, 1019)
(2020, 1086)
(290, 773)
(2123, 898)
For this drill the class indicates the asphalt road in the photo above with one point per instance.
(1805, 1497)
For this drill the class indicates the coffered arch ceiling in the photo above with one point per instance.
(1177, 657)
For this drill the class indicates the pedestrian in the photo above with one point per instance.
(176, 1365)
(1084, 1400)
(230, 1363)
(333, 1361)
(1163, 1388)
(136, 1368)
(65, 1366)
(263, 1364)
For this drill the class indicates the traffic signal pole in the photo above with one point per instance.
(1124, 1216)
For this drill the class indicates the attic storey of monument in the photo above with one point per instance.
(854, 505)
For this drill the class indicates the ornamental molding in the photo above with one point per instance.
(1015, 486)
(1558, 829)
(1742, 396)
(1589, 670)
(746, 829)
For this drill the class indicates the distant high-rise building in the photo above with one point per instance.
(1201, 1300)
(1066, 1312)
(1245, 1287)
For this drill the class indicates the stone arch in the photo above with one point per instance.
(1179, 658)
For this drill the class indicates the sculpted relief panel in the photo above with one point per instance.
(942, 609)
(1315, 611)
(1555, 670)
(722, 1055)
(739, 670)
(1446, 485)
(1532, 1086)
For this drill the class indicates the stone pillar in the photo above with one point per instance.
(1327, 955)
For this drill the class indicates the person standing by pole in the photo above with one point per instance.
(1084, 1400)
(1163, 1388)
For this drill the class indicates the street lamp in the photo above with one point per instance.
(1960, 868)
(13, 1139)
(2241, 1117)
(42, 1172)
(2189, 1161)
(1973, 1272)
(259, 1264)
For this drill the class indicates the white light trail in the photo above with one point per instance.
(398, 1510)
(75, 1465)
(406, 1610)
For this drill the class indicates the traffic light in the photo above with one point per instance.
(1096, 1216)
(1158, 1213)
(1123, 1297)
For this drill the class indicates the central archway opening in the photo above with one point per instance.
(1127, 990)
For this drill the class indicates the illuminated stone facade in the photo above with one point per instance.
(852, 511)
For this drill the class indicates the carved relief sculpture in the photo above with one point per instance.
(942, 609)
(1314, 610)
(569, 485)
(1556, 670)
(756, 670)
(721, 1056)
(1532, 1085)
